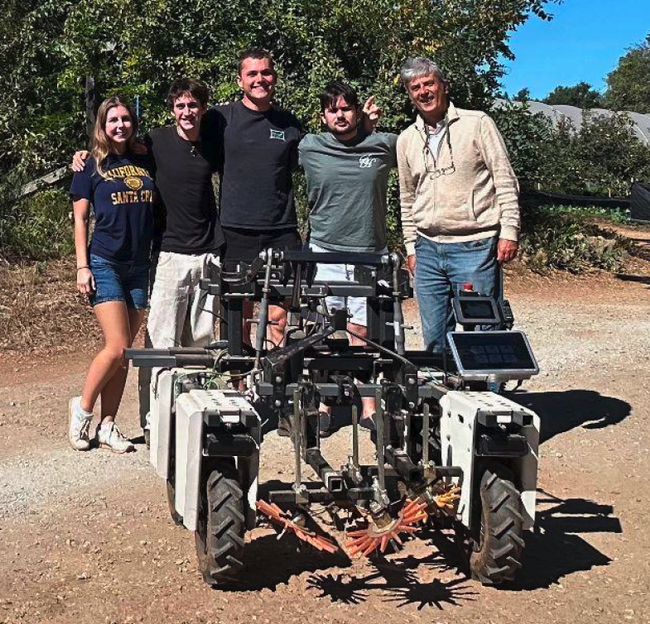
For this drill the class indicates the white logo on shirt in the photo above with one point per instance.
(277, 134)
(366, 162)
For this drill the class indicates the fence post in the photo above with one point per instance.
(90, 106)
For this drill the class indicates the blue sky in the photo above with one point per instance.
(583, 42)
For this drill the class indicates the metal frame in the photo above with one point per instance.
(415, 446)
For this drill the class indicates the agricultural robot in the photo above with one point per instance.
(449, 453)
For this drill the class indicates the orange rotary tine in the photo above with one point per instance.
(384, 543)
(358, 533)
(358, 548)
(374, 542)
(358, 540)
(325, 544)
(413, 516)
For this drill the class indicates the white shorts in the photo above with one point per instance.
(356, 306)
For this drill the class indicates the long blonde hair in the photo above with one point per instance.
(102, 146)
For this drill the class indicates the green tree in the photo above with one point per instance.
(629, 84)
(523, 95)
(603, 158)
(48, 47)
(609, 154)
(527, 137)
(582, 95)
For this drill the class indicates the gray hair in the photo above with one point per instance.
(418, 67)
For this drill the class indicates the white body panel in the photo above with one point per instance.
(458, 427)
(162, 408)
(191, 409)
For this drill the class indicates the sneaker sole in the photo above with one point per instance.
(116, 451)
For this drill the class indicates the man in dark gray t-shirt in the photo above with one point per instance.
(347, 172)
(347, 176)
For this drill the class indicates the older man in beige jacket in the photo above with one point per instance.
(459, 196)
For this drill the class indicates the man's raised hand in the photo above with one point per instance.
(371, 114)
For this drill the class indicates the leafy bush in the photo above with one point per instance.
(553, 237)
(615, 215)
(37, 227)
(528, 137)
(602, 158)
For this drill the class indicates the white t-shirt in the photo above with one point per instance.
(435, 136)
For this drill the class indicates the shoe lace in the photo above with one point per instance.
(116, 436)
(84, 428)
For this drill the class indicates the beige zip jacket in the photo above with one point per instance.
(468, 192)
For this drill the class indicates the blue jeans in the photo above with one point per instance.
(120, 281)
(443, 268)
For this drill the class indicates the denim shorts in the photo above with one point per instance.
(120, 281)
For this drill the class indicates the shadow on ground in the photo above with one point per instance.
(269, 562)
(560, 412)
(640, 279)
(399, 583)
(556, 548)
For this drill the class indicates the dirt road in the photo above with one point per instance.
(86, 537)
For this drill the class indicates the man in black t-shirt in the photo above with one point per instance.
(259, 145)
(181, 313)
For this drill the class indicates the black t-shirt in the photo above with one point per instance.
(123, 205)
(260, 150)
(183, 174)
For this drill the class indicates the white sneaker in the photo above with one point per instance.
(79, 431)
(109, 436)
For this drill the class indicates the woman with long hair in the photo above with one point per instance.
(113, 270)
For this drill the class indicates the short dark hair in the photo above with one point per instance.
(254, 53)
(333, 91)
(190, 87)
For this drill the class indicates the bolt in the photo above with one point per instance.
(278, 379)
(411, 404)
(411, 380)
(277, 403)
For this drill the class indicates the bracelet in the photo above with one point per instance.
(85, 266)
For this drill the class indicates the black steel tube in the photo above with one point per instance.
(336, 257)
(398, 317)
(381, 458)
(426, 425)
(322, 495)
(297, 433)
(332, 479)
(162, 360)
(355, 437)
(403, 465)
(297, 286)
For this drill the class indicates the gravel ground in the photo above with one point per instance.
(86, 537)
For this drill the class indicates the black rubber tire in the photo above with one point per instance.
(498, 547)
(171, 487)
(171, 503)
(221, 525)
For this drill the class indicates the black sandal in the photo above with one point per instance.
(327, 424)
